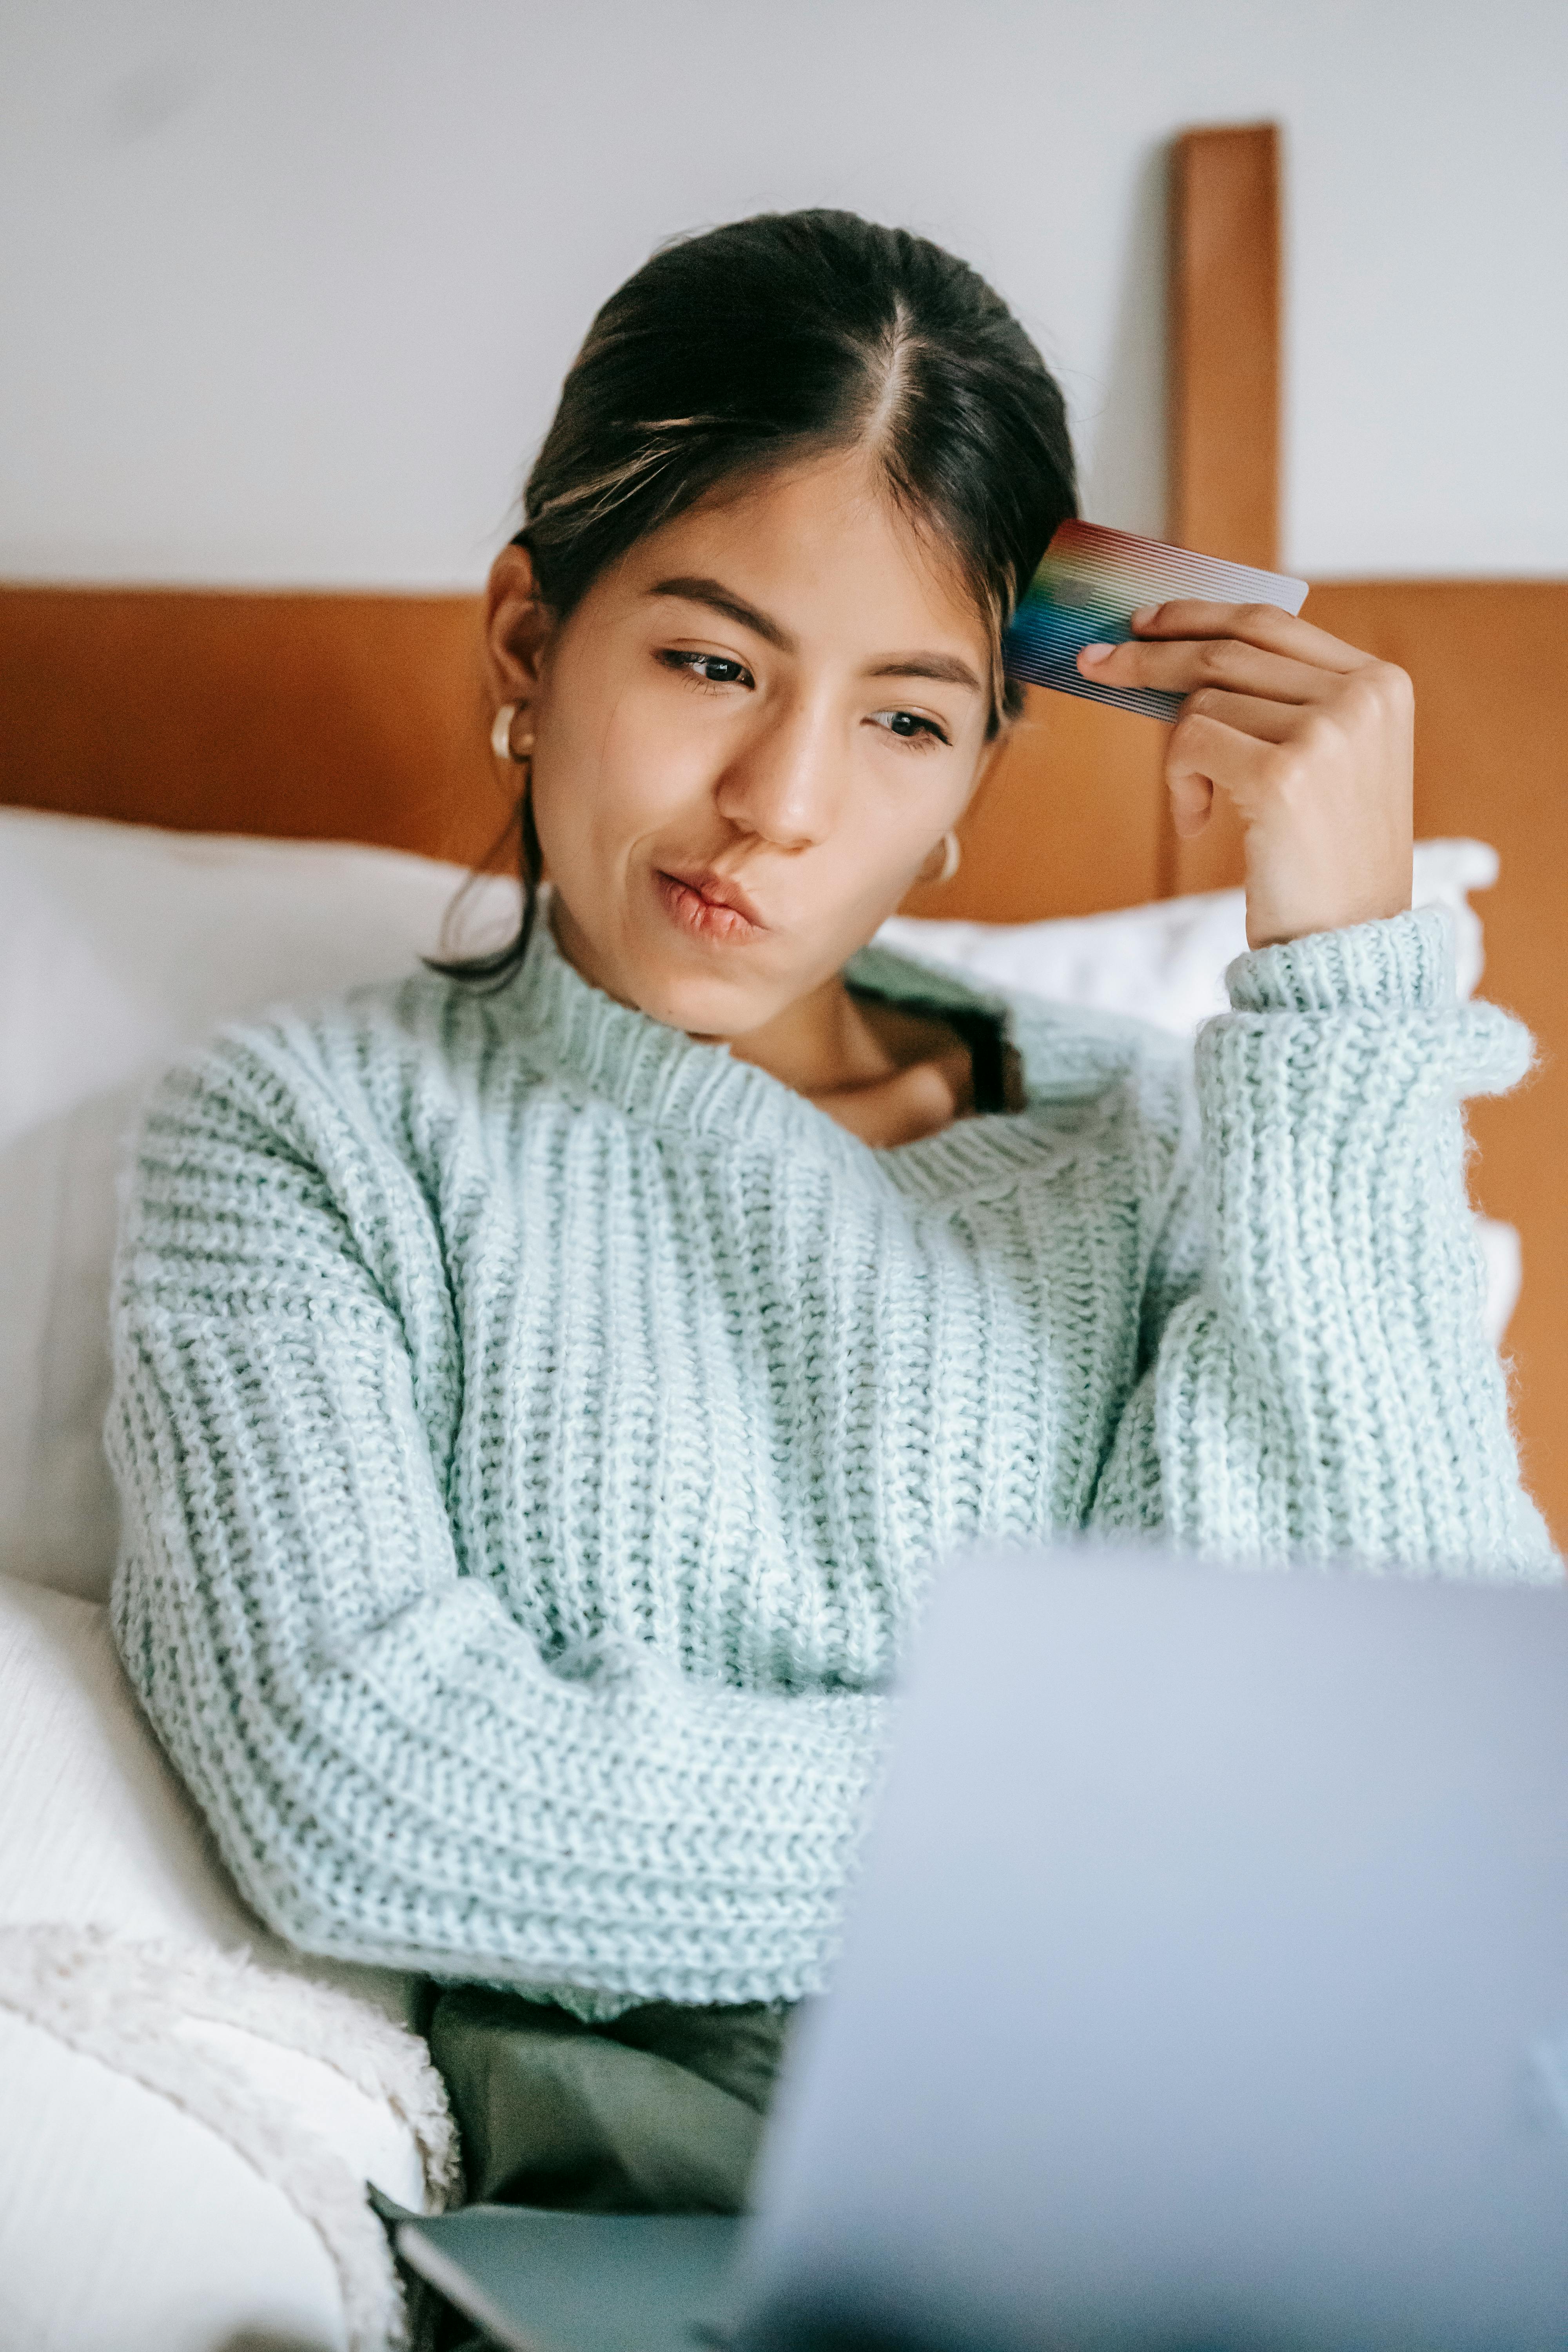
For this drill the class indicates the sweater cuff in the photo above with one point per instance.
(1403, 963)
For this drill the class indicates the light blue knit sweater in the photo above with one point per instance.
(534, 1428)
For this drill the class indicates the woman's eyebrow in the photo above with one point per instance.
(947, 668)
(695, 589)
(718, 599)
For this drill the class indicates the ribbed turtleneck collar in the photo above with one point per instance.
(653, 1072)
(659, 1077)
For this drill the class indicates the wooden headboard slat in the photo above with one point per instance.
(1222, 396)
(1223, 411)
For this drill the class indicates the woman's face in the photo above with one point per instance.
(749, 737)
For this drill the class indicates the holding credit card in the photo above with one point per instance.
(1090, 582)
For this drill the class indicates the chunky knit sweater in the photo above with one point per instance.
(535, 1428)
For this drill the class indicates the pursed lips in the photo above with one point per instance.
(708, 904)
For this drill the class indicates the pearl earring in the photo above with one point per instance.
(952, 852)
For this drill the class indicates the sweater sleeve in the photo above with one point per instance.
(1320, 1384)
(393, 1773)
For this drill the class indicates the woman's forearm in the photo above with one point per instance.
(1328, 1390)
(393, 1773)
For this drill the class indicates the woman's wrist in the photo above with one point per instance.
(1400, 962)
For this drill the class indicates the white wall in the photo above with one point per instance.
(286, 288)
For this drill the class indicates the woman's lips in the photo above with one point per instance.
(707, 907)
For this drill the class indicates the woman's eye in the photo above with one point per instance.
(911, 727)
(706, 669)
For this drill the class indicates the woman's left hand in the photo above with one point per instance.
(1311, 740)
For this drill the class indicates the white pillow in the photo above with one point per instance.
(121, 944)
(187, 2128)
(1165, 962)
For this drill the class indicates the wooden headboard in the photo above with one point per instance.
(364, 718)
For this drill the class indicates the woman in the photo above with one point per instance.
(542, 1386)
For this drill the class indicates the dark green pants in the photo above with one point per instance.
(658, 2112)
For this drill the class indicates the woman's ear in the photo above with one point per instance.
(518, 627)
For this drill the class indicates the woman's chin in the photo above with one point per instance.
(648, 969)
(709, 1010)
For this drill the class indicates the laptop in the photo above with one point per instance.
(1206, 1986)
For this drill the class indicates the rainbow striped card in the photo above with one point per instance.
(1090, 582)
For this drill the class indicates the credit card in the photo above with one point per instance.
(1090, 582)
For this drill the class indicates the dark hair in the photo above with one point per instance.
(753, 345)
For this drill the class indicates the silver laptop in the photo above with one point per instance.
(1207, 1986)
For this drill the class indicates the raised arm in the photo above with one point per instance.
(1321, 1385)
(1327, 1388)
(392, 1771)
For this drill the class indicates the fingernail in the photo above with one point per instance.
(1095, 653)
(1145, 613)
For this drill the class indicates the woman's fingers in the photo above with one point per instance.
(1310, 737)
(1323, 796)
(1247, 714)
(1213, 743)
(1264, 625)
(1192, 797)
(1186, 665)
(1204, 755)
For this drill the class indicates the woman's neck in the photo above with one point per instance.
(887, 1074)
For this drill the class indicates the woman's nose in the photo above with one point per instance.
(786, 781)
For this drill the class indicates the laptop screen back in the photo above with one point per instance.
(1207, 1981)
